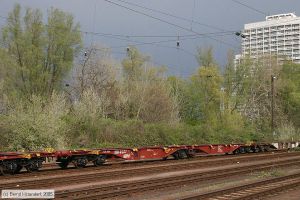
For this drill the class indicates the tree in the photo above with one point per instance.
(96, 76)
(289, 91)
(205, 57)
(248, 91)
(42, 54)
(205, 93)
(146, 93)
(133, 64)
(202, 93)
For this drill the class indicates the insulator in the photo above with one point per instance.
(237, 33)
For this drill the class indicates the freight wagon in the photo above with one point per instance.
(14, 162)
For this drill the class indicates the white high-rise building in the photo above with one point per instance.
(279, 35)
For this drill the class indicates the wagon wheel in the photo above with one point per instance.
(29, 167)
(182, 154)
(99, 160)
(190, 153)
(63, 164)
(11, 167)
(18, 169)
(237, 151)
(267, 149)
(248, 150)
(36, 164)
(261, 148)
(175, 155)
(80, 162)
(2, 170)
(254, 149)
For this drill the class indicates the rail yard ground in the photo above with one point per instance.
(244, 176)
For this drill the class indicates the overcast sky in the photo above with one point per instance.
(220, 18)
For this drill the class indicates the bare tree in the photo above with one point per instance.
(97, 73)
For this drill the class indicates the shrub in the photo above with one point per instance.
(37, 123)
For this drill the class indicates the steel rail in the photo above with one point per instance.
(117, 165)
(251, 191)
(125, 189)
(46, 182)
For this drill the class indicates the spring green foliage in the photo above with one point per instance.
(39, 55)
(206, 99)
(289, 95)
(37, 123)
(289, 91)
(148, 94)
(137, 106)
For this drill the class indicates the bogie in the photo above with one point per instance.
(80, 162)
(99, 160)
(10, 167)
(63, 164)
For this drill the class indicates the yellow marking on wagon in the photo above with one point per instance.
(28, 156)
(167, 150)
(49, 150)
(95, 152)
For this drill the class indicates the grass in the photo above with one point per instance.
(272, 173)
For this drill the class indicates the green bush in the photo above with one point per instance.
(36, 124)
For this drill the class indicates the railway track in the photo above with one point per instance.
(91, 175)
(126, 189)
(53, 169)
(255, 190)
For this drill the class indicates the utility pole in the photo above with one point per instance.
(272, 103)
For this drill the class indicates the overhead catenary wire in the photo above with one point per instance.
(2, 17)
(175, 36)
(171, 15)
(168, 67)
(250, 7)
(120, 36)
(145, 36)
(167, 22)
(164, 41)
(157, 36)
(94, 22)
(156, 43)
(193, 14)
